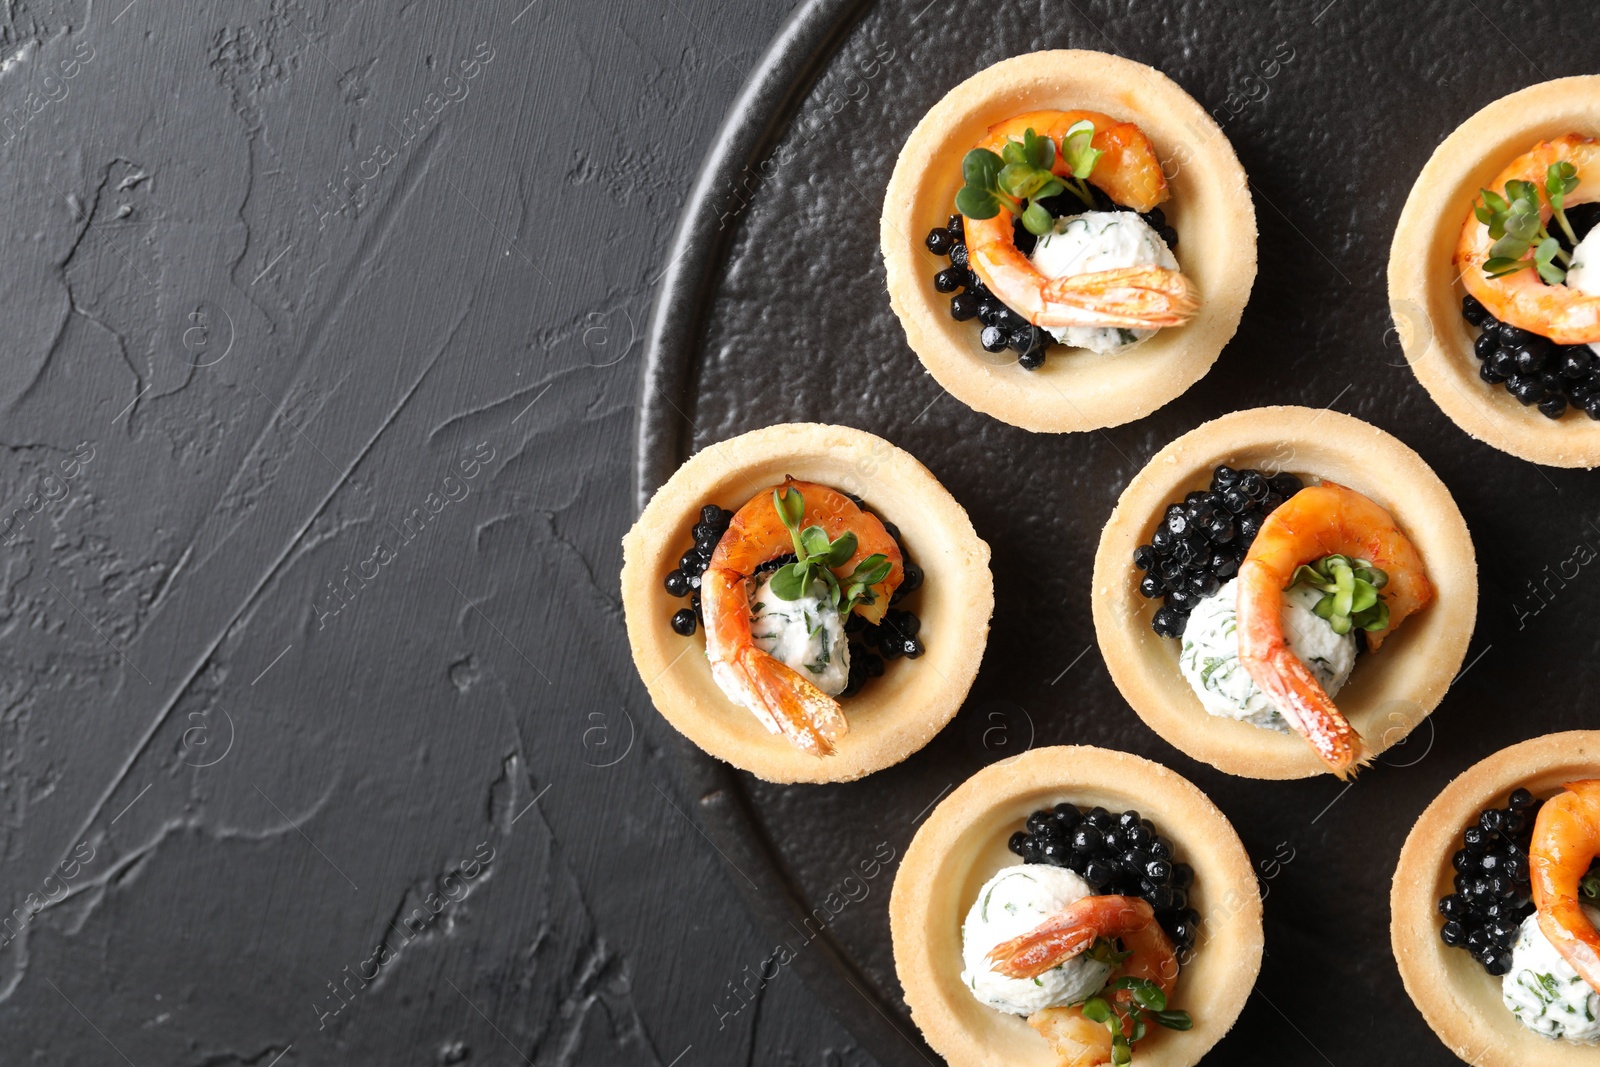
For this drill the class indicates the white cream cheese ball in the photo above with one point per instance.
(1096, 241)
(1010, 904)
(1209, 657)
(807, 634)
(1545, 993)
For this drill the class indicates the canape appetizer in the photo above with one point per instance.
(1504, 859)
(1530, 260)
(1060, 239)
(1494, 277)
(1068, 193)
(795, 581)
(1277, 587)
(803, 595)
(1096, 937)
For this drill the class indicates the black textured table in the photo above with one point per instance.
(321, 420)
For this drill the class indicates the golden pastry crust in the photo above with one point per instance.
(1391, 690)
(963, 843)
(1425, 297)
(1460, 1000)
(1210, 207)
(896, 714)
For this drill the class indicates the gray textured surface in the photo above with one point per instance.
(266, 790)
(1333, 108)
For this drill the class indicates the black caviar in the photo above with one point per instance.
(1115, 852)
(1533, 368)
(1002, 327)
(871, 644)
(685, 580)
(1201, 541)
(1492, 892)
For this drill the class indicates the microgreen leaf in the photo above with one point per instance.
(791, 506)
(1174, 1020)
(789, 581)
(814, 539)
(1544, 259)
(872, 570)
(977, 203)
(1022, 180)
(1037, 220)
(841, 550)
(1096, 1010)
(980, 166)
(1014, 153)
(1560, 179)
(1149, 995)
(1500, 266)
(1075, 149)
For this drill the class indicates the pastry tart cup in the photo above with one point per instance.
(893, 716)
(1392, 690)
(963, 843)
(1210, 207)
(1425, 292)
(1457, 997)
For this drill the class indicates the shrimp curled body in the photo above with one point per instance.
(1129, 172)
(778, 695)
(1566, 837)
(1079, 1041)
(1566, 315)
(1318, 521)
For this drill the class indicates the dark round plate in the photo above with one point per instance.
(772, 308)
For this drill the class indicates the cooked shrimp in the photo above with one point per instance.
(1135, 298)
(1129, 171)
(783, 699)
(1082, 1042)
(1565, 315)
(1566, 837)
(1318, 521)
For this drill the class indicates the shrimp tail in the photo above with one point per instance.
(1133, 298)
(808, 717)
(1311, 713)
(1036, 951)
(1071, 931)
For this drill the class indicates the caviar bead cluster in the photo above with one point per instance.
(1532, 368)
(1115, 852)
(1003, 327)
(1492, 892)
(1201, 541)
(685, 580)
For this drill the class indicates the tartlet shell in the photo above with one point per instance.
(1391, 690)
(890, 718)
(963, 843)
(1210, 207)
(1424, 293)
(1457, 997)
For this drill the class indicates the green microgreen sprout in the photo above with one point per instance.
(1351, 587)
(816, 557)
(1144, 1003)
(1515, 225)
(1590, 883)
(1021, 175)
